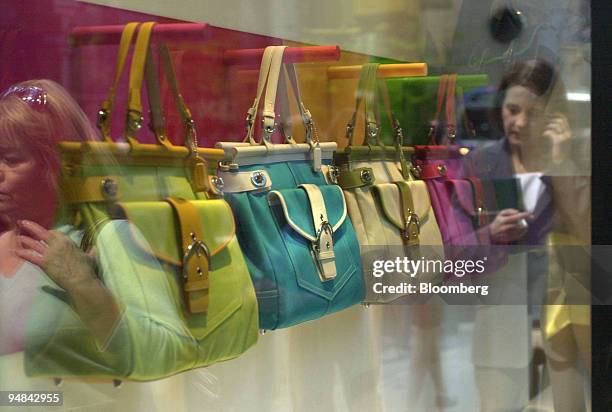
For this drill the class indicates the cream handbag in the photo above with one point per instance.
(390, 210)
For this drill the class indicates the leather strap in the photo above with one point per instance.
(105, 113)
(481, 218)
(440, 101)
(405, 167)
(450, 107)
(277, 71)
(196, 256)
(323, 247)
(269, 117)
(446, 95)
(238, 182)
(200, 180)
(134, 111)
(90, 189)
(412, 225)
(365, 91)
(264, 71)
(157, 125)
(372, 112)
(359, 177)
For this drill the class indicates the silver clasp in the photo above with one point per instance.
(198, 248)
(412, 226)
(134, 120)
(323, 249)
(333, 173)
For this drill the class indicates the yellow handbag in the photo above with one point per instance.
(94, 175)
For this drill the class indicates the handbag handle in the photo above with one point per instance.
(397, 130)
(105, 112)
(264, 70)
(362, 89)
(272, 83)
(374, 90)
(142, 63)
(446, 89)
(134, 117)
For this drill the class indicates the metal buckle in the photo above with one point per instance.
(333, 173)
(372, 129)
(197, 247)
(366, 176)
(309, 124)
(134, 120)
(326, 249)
(109, 189)
(218, 183)
(442, 170)
(399, 134)
(452, 133)
(432, 129)
(416, 171)
(190, 124)
(411, 222)
(268, 128)
(327, 228)
(102, 118)
(349, 130)
(249, 120)
(258, 179)
(481, 212)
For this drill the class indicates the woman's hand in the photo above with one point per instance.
(509, 225)
(56, 255)
(75, 272)
(557, 131)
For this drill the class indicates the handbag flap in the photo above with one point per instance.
(388, 196)
(159, 226)
(462, 191)
(297, 209)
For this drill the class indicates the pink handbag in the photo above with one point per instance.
(452, 196)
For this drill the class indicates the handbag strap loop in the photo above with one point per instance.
(264, 70)
(363, 93)
(134, 117)
(105, 113)
(272, 78)
(398, 134)
(446, 97)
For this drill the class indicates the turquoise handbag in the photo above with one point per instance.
(299, 245)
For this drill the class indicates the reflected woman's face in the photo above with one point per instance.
(522, 115)
(23, 192)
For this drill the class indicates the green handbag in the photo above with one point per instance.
(174, 319)
(173, 265)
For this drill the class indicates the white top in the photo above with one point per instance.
(16, 294)
(534, 190)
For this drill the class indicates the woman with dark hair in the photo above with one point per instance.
(529, 109)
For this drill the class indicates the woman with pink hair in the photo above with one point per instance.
(34, 116)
